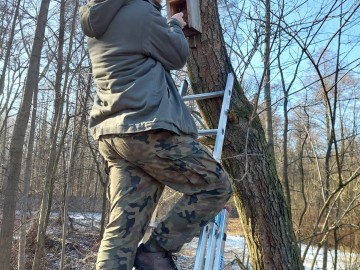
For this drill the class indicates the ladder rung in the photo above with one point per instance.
(207, 132)
(204, 96)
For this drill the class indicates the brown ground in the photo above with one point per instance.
(234, 227)
(82, 245)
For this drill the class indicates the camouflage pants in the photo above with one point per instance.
(140, 166)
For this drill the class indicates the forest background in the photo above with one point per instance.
(297, 62)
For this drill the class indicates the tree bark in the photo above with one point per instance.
(18, 138)
(326, 187)
(3, 138)
(52, 164)
(258, 195)
(70, 167)
(26, 184)
(9, 47)
(104, 179)
(3, 127)
(266, 81)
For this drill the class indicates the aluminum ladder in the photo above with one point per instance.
(210, 250)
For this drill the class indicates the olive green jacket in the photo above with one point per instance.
(132, 49)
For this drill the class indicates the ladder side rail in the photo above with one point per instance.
(210, 252)
(217, 256)
(201, 249)
(223, 118)
(183, 88)
(211, 244)
(220, 245)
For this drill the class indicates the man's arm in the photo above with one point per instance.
(165, 41)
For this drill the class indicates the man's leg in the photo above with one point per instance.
(205, 194)
(133, 195)
(185, 165)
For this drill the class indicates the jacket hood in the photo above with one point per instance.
(96, 16)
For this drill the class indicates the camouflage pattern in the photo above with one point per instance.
(140, 166)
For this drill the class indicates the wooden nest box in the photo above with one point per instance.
(191, 10)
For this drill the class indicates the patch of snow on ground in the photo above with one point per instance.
(235, 248)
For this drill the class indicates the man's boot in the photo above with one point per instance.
(145, 260)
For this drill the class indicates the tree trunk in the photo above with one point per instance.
(60, 102)
(258, 194)
(326, 186)
(3, 161)
(104, 179)
(26, 184)
(9, 47)
(75, 139)
(285, 167)
(18, 138)
(70, 166)
(266, 81)
(54, 151)
(69, 178)
(3, 128)
(103, 210)
(12, 97)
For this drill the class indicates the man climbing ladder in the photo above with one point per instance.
(146, 134)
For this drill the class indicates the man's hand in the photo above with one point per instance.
(179, 16)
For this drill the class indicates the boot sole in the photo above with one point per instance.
(140, 267)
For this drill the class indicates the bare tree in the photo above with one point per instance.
(26, 184)
(267, 80)
(8, 47)
(18, 138)
(55, 151)
(258, 195)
